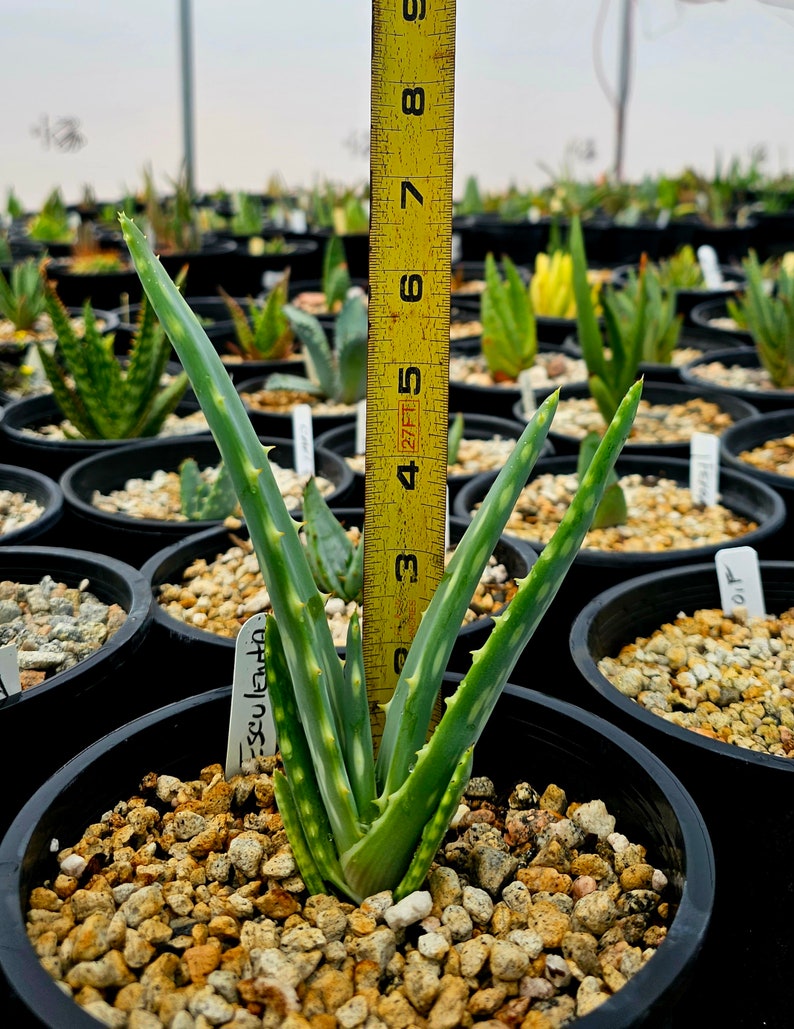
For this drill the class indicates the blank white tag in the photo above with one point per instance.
(252, 731)
(361, 426)
(9, 672)
(303, 434)
(739, 578)
(457, 247)
(528, 403)
(704, 467)
(270, 280)
(709, 265)
(297, 221)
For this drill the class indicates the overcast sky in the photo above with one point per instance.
(284, 89)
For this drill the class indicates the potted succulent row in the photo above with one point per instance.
(343, 843)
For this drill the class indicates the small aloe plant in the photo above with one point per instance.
(202, 497)
(264, 333)
(339, 372)
(357, 823)
(22, 299)
(336, 279)
(509, 331)
(769, 317)
(51, 224)
(612, 509)
(336, 562)
(613, 364)
(455, 437)
(102, 396)
(659, 323)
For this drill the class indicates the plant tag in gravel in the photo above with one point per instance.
(252, 732)
(361, 426)
(303, 434)
(528, 404)
(704, 467)
(9, 672)
(709, 265)
(739, 578)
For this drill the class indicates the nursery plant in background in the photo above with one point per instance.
(509, 331)
(768, 315)
(103, 396)
(22, 299)
(354, 822)
(263, 333)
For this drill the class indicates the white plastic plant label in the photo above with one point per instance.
(252, 731)
(710, 266)
(704, 467)
(739, 578)
(297, 221)
(9, 672)
(528, 403)
(271, 279)
(361, 426)
(303, 435)
(457, 247)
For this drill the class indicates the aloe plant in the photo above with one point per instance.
(357, 823)
(612, 508)
(202, 497)
(454, 437)
(336, 279)
(660, 324)
(336, 373)
(613, 363)
(509, 331)
(102, 396)
(264, 333)
(51, 223)
(22, 299)
(336, 562)
(769, 317)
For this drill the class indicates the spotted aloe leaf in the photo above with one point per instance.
(357, 824)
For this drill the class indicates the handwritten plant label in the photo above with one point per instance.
(9, 672)
(739, 578)
(528, 402)
(303, 434)
(709, 265)
(252, 731)
(704, 467)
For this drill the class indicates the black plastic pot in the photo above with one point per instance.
(48, 495)
(706, 317)
(342, 441)
(211, 311)
(51, 722)
(249, 269)
(745, 796)
(104, 289)
(208, 268)
(752, 433)
(279, 423)
(206, 652)
(139, 538)
(595, 570)
(520, 240)
(474, 271)
(54, 456)
(772, 399)
(660, 393)
(529, 737)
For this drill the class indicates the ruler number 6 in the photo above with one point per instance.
(413, 10)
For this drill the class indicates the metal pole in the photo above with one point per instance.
(185, 32)
(623, 87)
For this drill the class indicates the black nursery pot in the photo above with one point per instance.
(53, 456)
(752, 433)
(709, 317)
(733, 278)
(208, 268)
(279, 423)
(655, 393)
(772, 399)
(529, 737)
(595, 570)
(520, 240)
(342, 441)
(203, 653)
(104, 289)
(52, 721)
(46, 492)
(139, 538)
(744, 796)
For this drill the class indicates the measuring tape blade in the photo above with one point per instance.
(413, 80)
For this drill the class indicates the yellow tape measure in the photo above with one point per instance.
(413, 79)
